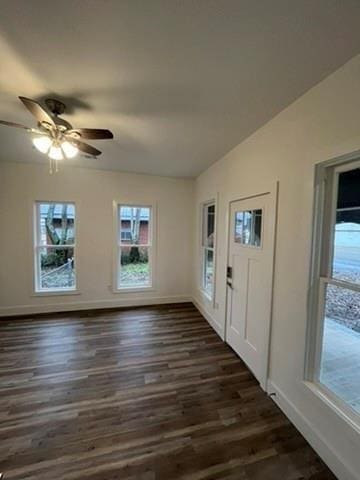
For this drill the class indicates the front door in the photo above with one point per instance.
(250, 274)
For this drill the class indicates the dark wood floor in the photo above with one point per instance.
(145, 394)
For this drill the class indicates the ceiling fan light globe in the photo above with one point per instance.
(69, 150)
(55, 153)
(42, 143)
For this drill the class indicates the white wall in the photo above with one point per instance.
(322, 124)
(93, 191)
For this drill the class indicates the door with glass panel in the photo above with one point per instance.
(249, 280)
(337, 350)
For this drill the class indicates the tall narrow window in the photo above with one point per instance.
(208, 243)
(55, 247)
(135, 230)
(337, 355)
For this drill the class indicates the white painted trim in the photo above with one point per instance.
(36, 246)
(355, 287)
(89, 305)
(140, 289)
(322, 252)
(336, 404)
(56, 293)
(152, 247)
(210, 319)
(210, 299)
(314, 437)
(326, 178)
(215, 259)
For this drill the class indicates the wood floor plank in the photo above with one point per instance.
(150, 393)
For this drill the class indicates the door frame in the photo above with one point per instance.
(271, 189)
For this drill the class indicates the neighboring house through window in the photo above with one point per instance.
(54, 247)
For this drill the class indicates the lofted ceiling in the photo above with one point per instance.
(179, 82)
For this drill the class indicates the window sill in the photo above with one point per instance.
(55, 293)
(133, 289)
(206, 295)
(338, 406)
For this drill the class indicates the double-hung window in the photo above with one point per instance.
(335, 334)
(134, 247)
(55, 247)
(207, 249)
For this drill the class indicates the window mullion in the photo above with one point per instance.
(134, 245)
(72, 245)
(340, 283)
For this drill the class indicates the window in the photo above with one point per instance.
(134, 245)
(207, 249)
(55, 247)
(248, 227)
(336, 356)
(125, 234)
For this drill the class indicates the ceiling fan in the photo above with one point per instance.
(56, 137)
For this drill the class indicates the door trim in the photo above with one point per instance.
(273, 192)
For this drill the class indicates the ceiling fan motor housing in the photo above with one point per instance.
(55, 106)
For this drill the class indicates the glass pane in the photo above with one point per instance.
(340, 362)
(134, 225)
(57, 222)
(346, 256)
(209, 226)
(248, 227)
(346, 260)
(57, 268)
(209, 271)
(348, 189)
(134, 267)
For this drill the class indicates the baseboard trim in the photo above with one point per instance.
(316, 440)
(209, 318)
(90, 305)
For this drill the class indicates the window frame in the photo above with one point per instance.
(322, 254)
(125, 231)
(204, 249)
(117, 288)
(252, 245)
(37, 246)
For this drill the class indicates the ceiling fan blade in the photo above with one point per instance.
(17, 125)
(37, 110)
(85, 148)
(92, 133)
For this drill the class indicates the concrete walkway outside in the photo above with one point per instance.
(340, 370)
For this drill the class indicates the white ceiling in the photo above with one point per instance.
(179, 82)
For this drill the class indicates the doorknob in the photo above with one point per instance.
(229, 284)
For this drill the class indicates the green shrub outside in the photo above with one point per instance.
(135, 255)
